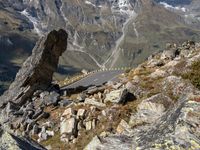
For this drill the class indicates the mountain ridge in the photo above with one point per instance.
(101, 33)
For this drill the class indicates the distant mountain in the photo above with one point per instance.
(176, 2)
(103, 33)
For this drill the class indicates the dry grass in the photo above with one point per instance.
(117, 113)
(194, 74)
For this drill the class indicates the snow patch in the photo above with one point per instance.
(171, 7)
(123, 6)
(9, 42)
(135, 30)
(33, 20)
(90, 3)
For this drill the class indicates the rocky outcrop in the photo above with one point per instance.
(178, 128)
(167, 115)
(9, 141)
(36, 72)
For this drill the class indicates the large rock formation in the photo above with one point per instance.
(36, 72)
(9, 141)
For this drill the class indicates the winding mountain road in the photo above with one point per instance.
(95, 79)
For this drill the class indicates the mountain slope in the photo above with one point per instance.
(101, 33)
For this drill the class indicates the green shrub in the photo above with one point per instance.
(194, 74)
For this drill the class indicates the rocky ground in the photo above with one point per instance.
(120, 33)
(154, 106)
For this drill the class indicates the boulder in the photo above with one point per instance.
(120, 96)
(88, 125)
(123, 127)
(169, 54)
(68, 126)
(94, 102)
(9, 141)
(81, 97)
(37, 71)
(43, 136)
(113, 96)
(51, 99)
(95, 142)
(64, 102)
(150, 109)
(81, 113)
(68, 113)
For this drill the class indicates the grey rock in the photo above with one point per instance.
(169, 54)
(30, 114)
(43, 94)
(94, 122)
(64, 138)
(68, 126)
(35, 129)
(80, 125)
(93, 144)
(88, 125)
(123, 128)
(81, 113)
(81, 97)
(177, 128)
(11, 108)
(36, 72)
(182, 87)
(120, 96)
(38, 112)
(16, 123)
(50, 133)
(94, 90)
(44, 115)
(9, 141)
(42, 136)
(94, 102)
(151, 109)
(30, 126)
(51, 99)
(64, 102)
(29, 107)
(138, 91)
(49, 147)
(68, 113)
(48, 124)
(37, 93)
(117, 85)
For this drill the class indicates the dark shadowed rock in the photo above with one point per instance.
(51, 99)
(36, 72)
